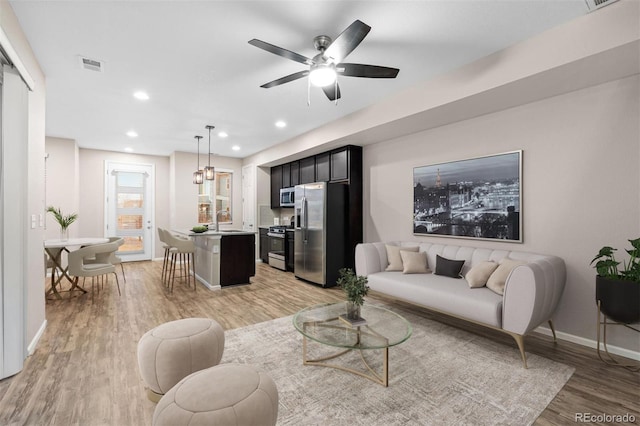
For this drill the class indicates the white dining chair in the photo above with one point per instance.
(94, 261)
(115, 260)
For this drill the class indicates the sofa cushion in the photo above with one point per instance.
(442, 294)
(393, 256)
(480, 273)
(448, 267)
(498, 278)
(414, 263)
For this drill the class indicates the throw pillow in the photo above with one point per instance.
(393, 256)
(480, 273)
(448, 267)
(498, 278)
(414, 263)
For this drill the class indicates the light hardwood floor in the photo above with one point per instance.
(84, 370)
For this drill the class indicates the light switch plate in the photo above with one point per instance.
(41, 217)
(33, 221)
(216, 249)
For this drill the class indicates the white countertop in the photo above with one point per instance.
(220, 233)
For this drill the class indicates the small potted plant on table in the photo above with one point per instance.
(355, 288)
(63, 220)
(618, 289)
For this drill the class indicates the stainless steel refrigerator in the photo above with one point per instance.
(320, 232)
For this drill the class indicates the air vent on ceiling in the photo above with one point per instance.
(91, 64)
(597, 4)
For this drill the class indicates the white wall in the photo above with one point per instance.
(581, 184)
(91, 193)
(34, 285)
(184, 192)
(568, 97)
(62, 183)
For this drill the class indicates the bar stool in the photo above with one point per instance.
(162, 235)
(182, 250)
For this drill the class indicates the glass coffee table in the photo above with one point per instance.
(381, 330)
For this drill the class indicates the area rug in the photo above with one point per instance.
(441, 375)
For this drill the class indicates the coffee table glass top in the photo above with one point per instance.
(383, 327)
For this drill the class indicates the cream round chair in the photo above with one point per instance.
(172, 351)
(227, 394)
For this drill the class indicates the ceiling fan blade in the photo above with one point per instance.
(348, 40)
(285, 79)
(332, 91)
(280, 51)
(368, 71)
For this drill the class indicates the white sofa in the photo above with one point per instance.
(531, 293)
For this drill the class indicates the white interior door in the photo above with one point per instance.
(248, 198)
(14, 127)
(129, 207)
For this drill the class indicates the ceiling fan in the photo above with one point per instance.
(325, 67)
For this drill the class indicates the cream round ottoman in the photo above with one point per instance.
(227, 394)
(172, 351)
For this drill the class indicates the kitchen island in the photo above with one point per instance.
(223, 258)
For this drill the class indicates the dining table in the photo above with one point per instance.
(54, 249)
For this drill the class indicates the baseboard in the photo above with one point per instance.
(34, 342)
(616, 350)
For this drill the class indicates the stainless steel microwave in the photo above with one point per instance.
(287, 197)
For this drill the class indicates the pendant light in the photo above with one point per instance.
(209, 171)
(197, 175)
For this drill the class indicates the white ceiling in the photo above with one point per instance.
(193, 59)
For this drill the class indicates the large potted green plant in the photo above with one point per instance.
(355, 288)
(618, 287)
(63, 220)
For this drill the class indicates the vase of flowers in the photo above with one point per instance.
(63, 220)
(355, 288)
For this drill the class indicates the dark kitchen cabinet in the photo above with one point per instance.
(343, 166)
(286, 175)
(276, 185)
(237, 259)
(340, 164)
(295, 173)
(264, 245)
(289, 250)
(308, 170)
(323, 169)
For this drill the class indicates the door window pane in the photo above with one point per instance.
(128, 201)
(131, 244)
(130, 179)
(129, 221)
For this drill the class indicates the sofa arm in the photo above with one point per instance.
(532, 293)
(370, 258)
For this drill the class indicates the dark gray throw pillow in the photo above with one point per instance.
(448, 267)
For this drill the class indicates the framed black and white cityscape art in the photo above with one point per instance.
(474, 198)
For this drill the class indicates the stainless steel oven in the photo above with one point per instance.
(277, 242)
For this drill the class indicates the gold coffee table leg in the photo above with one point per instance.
(371, 375)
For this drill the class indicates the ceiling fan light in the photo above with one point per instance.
(322, 75)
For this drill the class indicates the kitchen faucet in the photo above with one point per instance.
(217, 221)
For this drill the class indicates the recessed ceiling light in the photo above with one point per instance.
(222, 134)
(128, 149)
(281, 124)
(141, 95)
(132, 134)
(235, 148)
